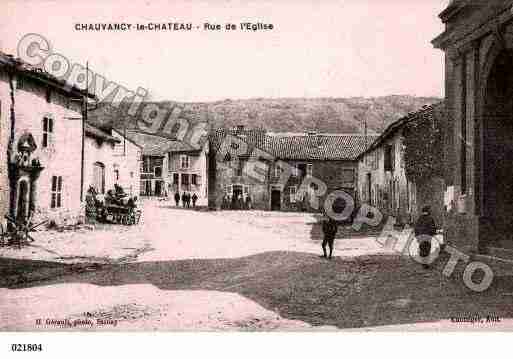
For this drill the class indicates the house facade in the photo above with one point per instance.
(40, 175)
(384, 182)
(168, 166)
(315, 161)
(188, 170)
(153, 164)
(111, 159)
(478, 46)
(279, 171)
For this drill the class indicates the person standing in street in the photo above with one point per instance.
(425, 229)
(188, 199)
(177, 198)
(184, 199)
(329, 229)
(194, 199)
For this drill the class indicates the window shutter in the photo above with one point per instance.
(54, 183)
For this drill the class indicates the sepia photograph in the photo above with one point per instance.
(230, 166)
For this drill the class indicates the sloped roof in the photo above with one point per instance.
(95, 132)
(426, 113)
(40, 75)
(158, 146)
(252, 137)
(320, 146)
(299, 147)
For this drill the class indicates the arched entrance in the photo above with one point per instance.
(497, 154)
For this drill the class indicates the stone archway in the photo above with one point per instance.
(496, 167)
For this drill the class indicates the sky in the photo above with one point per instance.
(325, 48)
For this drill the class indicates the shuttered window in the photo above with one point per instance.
(56, 200)
(47, 132)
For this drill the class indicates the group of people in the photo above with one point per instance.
(186, 199)
(425, 230)
(237, 201)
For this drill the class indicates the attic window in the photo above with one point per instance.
(228, 157)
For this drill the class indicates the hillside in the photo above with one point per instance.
(289, 114)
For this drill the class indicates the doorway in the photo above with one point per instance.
(497, 152)
(158, 188)
(275, 200)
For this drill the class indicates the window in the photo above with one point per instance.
(389, 158)
(292, 192)
(99, 177)
(278, 170)
(146, 165)
(309, 170)
(185, 179)
(20, 83)
(131, 175)
(176, 178)
(240, 167)
(56, 201)
(184, 161)
(194, 179)
(47, 132)
(347, 175)
(158, 171)
(300, 169)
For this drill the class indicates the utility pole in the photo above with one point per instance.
(84, 119)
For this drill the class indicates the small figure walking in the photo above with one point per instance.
(177, 198)
(188, 194)
(329, 228)
(184, 199)
(425, 229)
(194, 199)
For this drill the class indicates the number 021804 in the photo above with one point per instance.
(26, 347)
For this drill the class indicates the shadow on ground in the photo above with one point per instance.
(346, 292)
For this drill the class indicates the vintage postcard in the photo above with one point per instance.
(228, 166)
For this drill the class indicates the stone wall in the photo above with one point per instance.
(331, 173)
(476, 32)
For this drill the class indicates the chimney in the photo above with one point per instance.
(239, 128)
(312, 133)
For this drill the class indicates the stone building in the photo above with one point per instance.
(280, 171)
(330, 159)
(230, 152)
(111, 159)
(383, 180)
(40, 144)
(478, 46)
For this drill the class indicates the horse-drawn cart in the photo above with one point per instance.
(119, 214)
(114, 207)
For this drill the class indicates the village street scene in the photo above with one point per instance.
(279, 213)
